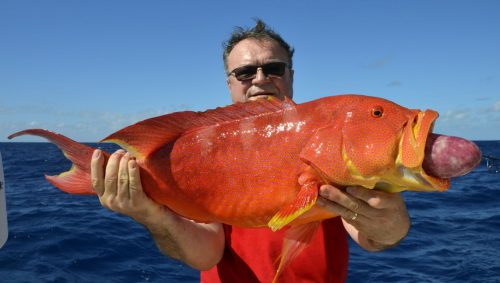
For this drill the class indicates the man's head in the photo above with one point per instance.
(258, 63)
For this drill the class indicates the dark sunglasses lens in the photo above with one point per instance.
(274, 69)
(245, 73)
(248, 72)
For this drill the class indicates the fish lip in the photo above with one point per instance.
(415, 135)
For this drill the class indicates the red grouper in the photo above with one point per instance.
(261, 163)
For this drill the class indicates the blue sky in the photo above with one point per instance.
(88, 68)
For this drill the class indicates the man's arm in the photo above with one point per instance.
(119, 189)
(375, 220)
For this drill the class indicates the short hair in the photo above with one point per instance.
(261, 32)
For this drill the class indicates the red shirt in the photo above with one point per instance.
(251, 254)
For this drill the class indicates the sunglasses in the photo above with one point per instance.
(248, 72)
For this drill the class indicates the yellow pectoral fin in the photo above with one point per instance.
(306, 198)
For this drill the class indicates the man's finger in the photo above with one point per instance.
(123, 178)
(135, 185)
(345, 200)
(376, 199)
(349, 215)
(111, 175)
(97, 172)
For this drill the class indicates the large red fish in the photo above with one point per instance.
(261, 163)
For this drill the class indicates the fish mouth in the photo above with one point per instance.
(409, 173)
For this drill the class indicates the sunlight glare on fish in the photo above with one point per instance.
(270, 130)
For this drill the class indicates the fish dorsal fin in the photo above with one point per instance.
(239, 111)
(147, 136)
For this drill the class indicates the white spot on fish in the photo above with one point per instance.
(318, 149)
(271, 130)
(348, 116)
(299, 126)
(268, 131)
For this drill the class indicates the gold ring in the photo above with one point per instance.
(354, 216)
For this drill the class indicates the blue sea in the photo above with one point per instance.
(57, 237)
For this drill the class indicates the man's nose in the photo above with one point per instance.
(260, 77)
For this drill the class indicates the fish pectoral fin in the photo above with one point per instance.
(295, 240)
(306, 198)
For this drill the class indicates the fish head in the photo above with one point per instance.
(384, 145)
(377, 144)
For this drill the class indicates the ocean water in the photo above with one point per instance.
(57, 237)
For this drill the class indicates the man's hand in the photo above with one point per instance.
(119, 189)
(375, 220)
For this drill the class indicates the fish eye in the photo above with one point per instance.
(377, 111)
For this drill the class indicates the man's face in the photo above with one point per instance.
(255, 52)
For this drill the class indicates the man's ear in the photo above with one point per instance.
(291, 75)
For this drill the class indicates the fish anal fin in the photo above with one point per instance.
(306, 198)
(295, 240)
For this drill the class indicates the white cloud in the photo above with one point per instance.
(496, 106)
(394, 83)
(379, 63)
(456, 115)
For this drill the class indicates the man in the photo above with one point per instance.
(258, 64)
